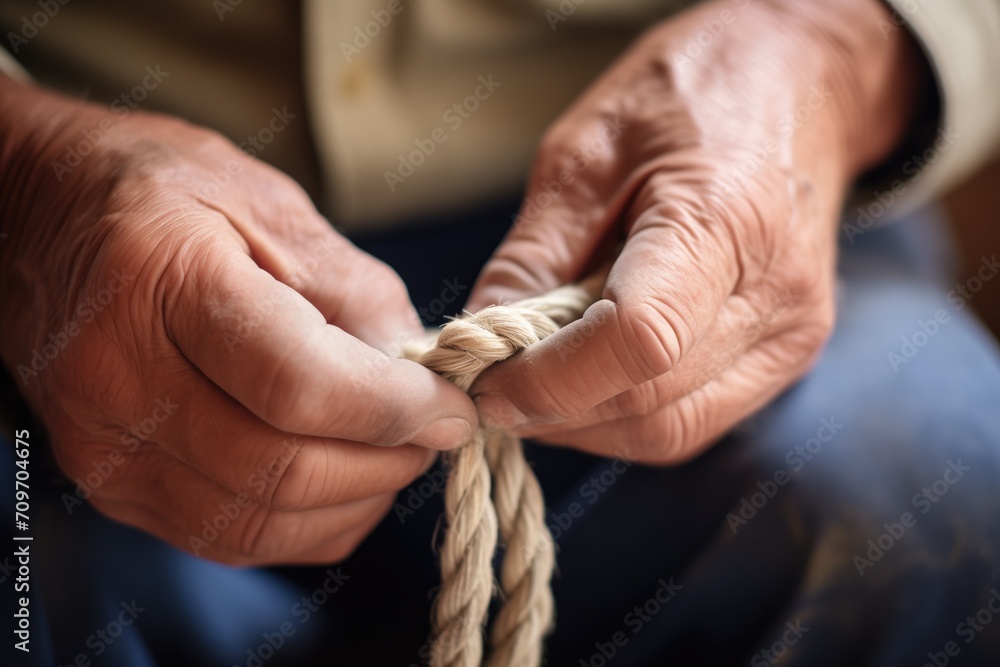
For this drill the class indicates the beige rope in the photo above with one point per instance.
(465, 348)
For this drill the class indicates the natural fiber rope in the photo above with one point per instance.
(465, 348)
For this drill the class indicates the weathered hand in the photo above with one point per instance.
(718, 149)
(200, 343)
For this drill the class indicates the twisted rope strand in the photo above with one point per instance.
(529, 559)
(466, 559)
(465, 348)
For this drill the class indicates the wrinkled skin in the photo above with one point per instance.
(239, 348)
(215, 341)
(723, 293)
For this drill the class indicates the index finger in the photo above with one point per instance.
(662, 293)
(264, 344)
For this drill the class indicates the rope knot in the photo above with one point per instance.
(468, 346)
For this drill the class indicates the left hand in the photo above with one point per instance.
(723, 168)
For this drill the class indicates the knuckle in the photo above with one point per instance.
(97, 374)
(801, 279)
(567, 149)
(799, 270)
(381, 273)
(384, 287)
(553, 148)
(809, 335)
(283, 410)
(281, 194)
(548, 403)
(509, 270)
(640, 400)
(298, 479)
(264, 538)
(654, 339)
(670, 436)
(656, 439)
(204, 140)
(285, 402)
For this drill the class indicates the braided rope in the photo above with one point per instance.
(465, 348)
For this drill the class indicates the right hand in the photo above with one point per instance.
(203, 354)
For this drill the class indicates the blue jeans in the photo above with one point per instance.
(854, 521)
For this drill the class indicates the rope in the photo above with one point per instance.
(464, 348)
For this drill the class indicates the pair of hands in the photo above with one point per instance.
(219, 352)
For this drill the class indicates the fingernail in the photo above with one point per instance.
(447, 433)
(497, 412)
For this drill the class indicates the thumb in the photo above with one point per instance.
(578, 188)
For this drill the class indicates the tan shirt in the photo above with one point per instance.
(420, 106)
